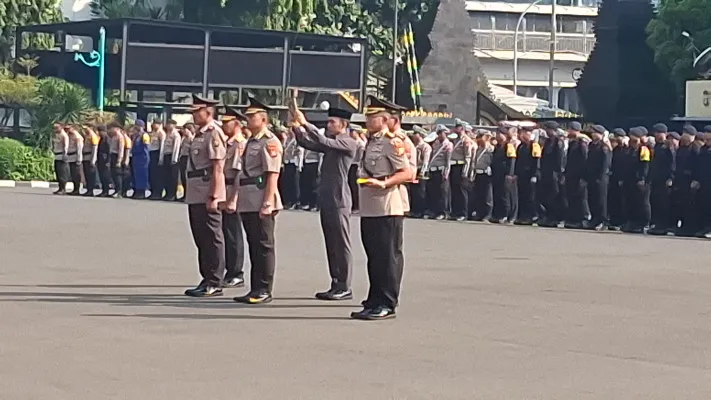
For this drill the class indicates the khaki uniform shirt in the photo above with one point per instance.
(91, 144)
(157, 138)
(207, 146)
(424, 152)
(438, 162)
(411, 155)
(76, 146)
(462, 150)
(128, 144)
(233, 161)
(60, 145)
(185, 146)
(311, 157)
(263, 153)
(384, 155)
(293, 153)
(172, 146)
(359, 151)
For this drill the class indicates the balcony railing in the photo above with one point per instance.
(533, 41)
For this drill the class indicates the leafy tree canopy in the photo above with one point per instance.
(14, 13)
(673, 52)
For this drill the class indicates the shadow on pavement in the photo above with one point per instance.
(203, 317)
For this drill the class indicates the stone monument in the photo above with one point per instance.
(451, 74)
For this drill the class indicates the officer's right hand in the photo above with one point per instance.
(640, 184)
(213, 206)
(231, 206)
(695, 185)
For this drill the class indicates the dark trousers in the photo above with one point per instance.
(660, 201)
(116, 174)
(170, 176)
(505, 192)
(183, 167)
(89, 176)
(128, 182)
(154, 175)
(684, 209)
(437, 193)
(638, 207)
(104, 173)
(459, 191)
(307, 185)
(75, 173)
(703, 206)
(260, 240)
(353, 185)
(616, 203)
(597, 199)
(234, 245)
(482, 196)
(289, 184)
(552, 197)
(206, 228)
(526, 198)
(418, 197)
(61, 171)
(577, 191)
(336, 226)
(383, 241)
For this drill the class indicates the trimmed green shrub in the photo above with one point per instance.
(22, 163)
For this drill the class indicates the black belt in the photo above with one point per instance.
(199, 173)
(230, 181)
(249, 181)
(71, 154)
(58, 153)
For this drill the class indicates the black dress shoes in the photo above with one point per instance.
(258, 297)
(233, 283)
(335, 294)
(374, 314)
(204, 291)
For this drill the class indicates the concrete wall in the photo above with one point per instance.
(529, 70)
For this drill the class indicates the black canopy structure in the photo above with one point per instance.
(152, 55)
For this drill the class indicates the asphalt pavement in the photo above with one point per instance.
(91, 307)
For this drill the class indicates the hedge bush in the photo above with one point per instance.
(22, 163)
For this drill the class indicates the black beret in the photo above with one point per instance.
(644, 131)
(550, 125)
(700, 135)
(503, 129)
(619, 132)
(689, 129)
(599, 129)
(675, 135)
(575, 126)
(659, 128)
(707, 128)
(637, 132)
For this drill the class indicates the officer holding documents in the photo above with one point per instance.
(205, 192)
(231, 222)
(383, 169)
(338, 149)
(437, 186)
(259, 201)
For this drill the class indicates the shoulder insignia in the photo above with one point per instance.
(128, 143)
(272, 149)
(216, 141)
(398, 145)
(94, 139)
(644, 154)
(510, 150)
(390, 134)
(146, 138)
(536, 150)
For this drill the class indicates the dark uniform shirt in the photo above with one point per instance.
(684, 163)
(553, 157)
(576, 159)
(598, 163)
(639, 165)
(661, 168)
(702, 166)
(621, 162)
(527, 160)
(502, 163)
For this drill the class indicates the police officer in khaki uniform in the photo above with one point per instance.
(60, 146)
(156, 149)
(259, 201)
(383, 169)
(171, 157)
(117, 149)
(462, 151)
(89, 157)
(437, 185)
(394, 124)
(293, 163)
(205, 192)
(76, 147)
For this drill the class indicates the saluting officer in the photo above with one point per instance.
(60, 146)
(89, 158)
(259, 201)
(637, 184)
(597, 176)
(231, 222)
(575, 185)
(437, 186)
(206, 190)
(616, 202)
(527, 171)
(76, 148)
(661, 176)
(462, 149)
(289, 178)
(384, 168)
(682, 195)
(418, 189)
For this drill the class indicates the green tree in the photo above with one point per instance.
(14, 13)
(55, 101)
(674, 53)
(136, 9)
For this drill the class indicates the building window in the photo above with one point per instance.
(570, 25)
(538, 23)
(481, 21)
(505, 22)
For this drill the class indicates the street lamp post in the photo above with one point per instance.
(515, 50)
(97, 61)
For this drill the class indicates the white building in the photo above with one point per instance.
(494, 23)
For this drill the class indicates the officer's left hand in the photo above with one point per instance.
(669, 183)
(213, 206)
(534, 179)
(640, 184)
(372, 182)
(231, 206)
(266, 211)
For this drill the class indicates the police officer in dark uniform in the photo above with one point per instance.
(503, 167)
(259, 201)
(550, 186)
(205, 192)
(637, 183)
(597, 175)
(616, 203)
(682, 195)
(661, 177)
(702, 183)
(575, 184)
(527, 171)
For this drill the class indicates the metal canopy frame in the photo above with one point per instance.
(160, 35)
